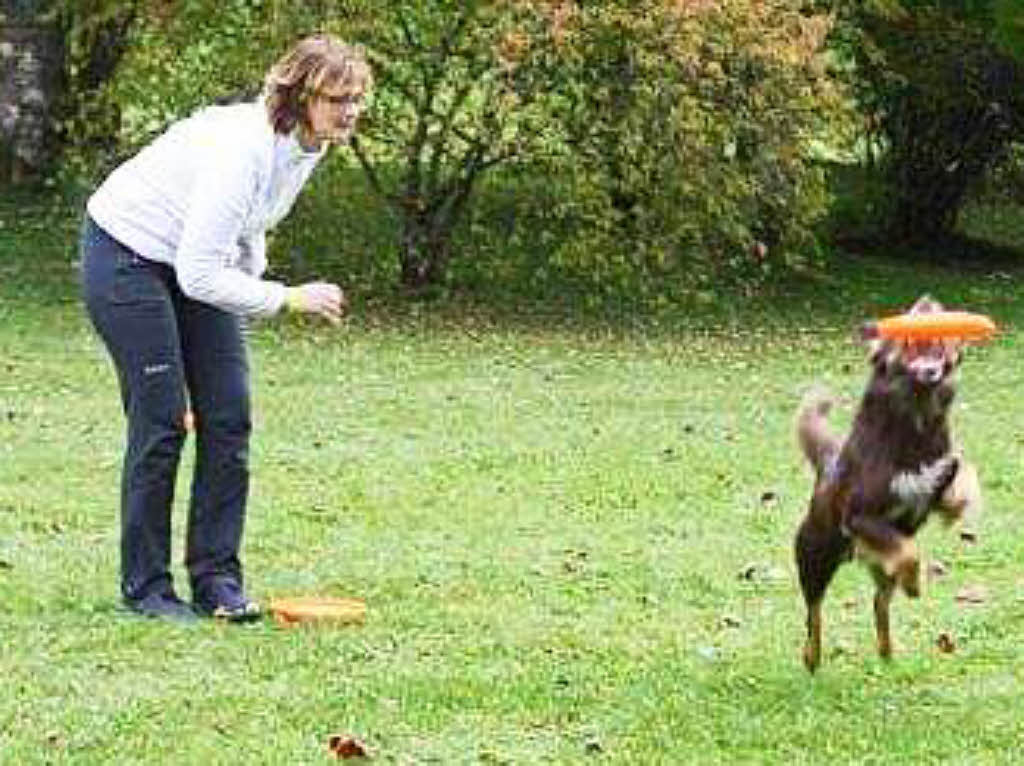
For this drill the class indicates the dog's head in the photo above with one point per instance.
(917, 368)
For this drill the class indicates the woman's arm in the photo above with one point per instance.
(208, 258)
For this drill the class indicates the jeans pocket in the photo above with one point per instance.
(136, 281)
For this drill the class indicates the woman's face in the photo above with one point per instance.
(331, 115)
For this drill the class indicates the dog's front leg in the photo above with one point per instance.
(884, 588)
(881, 545)
(961, 501)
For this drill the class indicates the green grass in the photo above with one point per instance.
(550, 523)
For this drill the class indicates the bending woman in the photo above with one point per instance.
(173, 251)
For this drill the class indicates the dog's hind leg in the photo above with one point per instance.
(818, 554)
(884, 588)
(812, 648)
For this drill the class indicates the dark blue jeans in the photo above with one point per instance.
(169, 350)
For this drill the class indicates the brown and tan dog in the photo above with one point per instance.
(875, 489)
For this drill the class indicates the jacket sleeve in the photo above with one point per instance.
(208, 262)
(253, 253)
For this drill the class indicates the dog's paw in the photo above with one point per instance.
(812, 658)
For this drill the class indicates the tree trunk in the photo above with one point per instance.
(424, 253)
(31, 57)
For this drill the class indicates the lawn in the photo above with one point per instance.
(574, 541)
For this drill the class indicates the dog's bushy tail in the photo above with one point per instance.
(819, 445)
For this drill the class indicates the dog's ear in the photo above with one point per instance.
(881, 354)
(879, 350)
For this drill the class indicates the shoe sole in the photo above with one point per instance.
(251, 613)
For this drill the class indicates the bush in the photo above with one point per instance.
(692, 142)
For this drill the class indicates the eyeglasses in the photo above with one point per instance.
(343, 100)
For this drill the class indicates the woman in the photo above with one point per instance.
(173, 249)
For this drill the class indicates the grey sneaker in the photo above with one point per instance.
(222, 597)
(162, 605)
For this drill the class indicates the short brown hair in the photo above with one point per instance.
(312, 62)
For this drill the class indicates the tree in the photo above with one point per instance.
(30, 64)
(460, 89)
(942, 100)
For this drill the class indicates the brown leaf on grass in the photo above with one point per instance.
(341, 746)
(757, 572)
(731, 621)
(972, 594)
(945, 643)
(937, 569)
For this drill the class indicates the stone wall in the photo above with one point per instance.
(30, 69)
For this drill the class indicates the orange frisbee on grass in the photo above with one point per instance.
(938, 325)
(318, 610)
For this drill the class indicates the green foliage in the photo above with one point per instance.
(136, 65)
(1008, 17)
(952, 111)
(941, 104)
(1006, 180)
(1004, 18)
(691, 132)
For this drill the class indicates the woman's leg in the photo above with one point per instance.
(129, 302)
(217, 373)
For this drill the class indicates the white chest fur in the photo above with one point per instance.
(914, 491)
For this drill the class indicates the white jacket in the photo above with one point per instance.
(201, 196)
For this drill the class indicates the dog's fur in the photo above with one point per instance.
(874, 489)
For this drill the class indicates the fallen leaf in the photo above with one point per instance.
(937, 569)
(972, 594)
(761, 573)
(346, 747)
(945, 643)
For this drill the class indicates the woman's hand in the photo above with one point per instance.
(323, 298)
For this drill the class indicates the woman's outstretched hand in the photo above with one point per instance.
(323, 298)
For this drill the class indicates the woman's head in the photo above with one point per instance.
(318, 87)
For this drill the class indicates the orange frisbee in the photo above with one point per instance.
(937, 325)
(319, 610)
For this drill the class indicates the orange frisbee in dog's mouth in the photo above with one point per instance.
(936, 325)
(318, 610)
